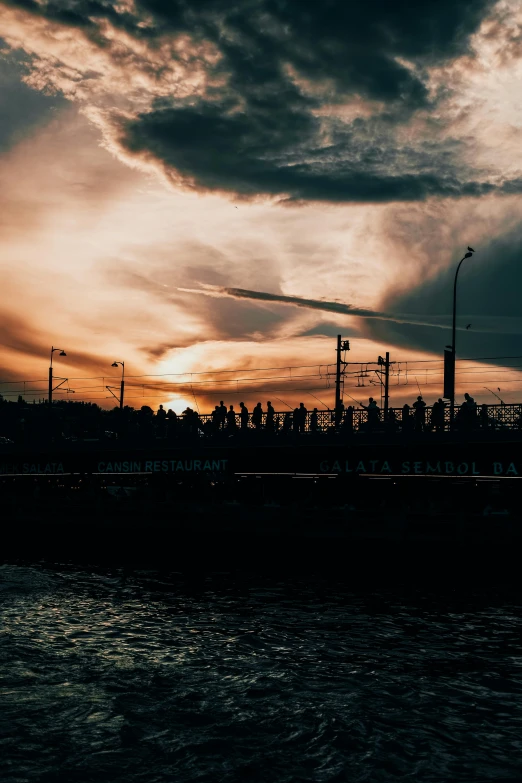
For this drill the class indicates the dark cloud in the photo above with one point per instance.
(224, 319)
(489, 286)
(263, 135)
(161, 349)
(425, 321)
(328, 329)
(18, 334)
(273, 153)
(356, 45)
(216, 292)
(259, 125)
(80, 14)
(313, 304)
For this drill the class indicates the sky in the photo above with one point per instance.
(196, 188)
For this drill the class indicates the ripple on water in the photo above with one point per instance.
(153, 678)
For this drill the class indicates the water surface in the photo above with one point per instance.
(152, 676)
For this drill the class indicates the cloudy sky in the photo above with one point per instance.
(194, 187)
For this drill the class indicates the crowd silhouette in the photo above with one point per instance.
(70, 421)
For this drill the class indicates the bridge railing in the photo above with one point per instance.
(492, 417)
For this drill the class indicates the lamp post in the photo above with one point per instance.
(454, 333)
(62, 353)
(122, 391)
(122, 385)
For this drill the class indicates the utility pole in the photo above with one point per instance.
(337, 406)
(340, 370)
(386, 364)
(386, 384)
(342, 345)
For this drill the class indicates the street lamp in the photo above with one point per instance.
(62, 353)
(454, 334)
(122, 385)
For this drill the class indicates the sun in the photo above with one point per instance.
(178, 404)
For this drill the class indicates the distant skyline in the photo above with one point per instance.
(173, 173)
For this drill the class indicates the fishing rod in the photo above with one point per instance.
(357, 401)
(494, 395)
(284, 403)
(418, 386)
(318, 400)
(195, 400)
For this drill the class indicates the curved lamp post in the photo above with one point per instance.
(122, 384)
(62, 353)
(454, 332)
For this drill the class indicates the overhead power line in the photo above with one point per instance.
(212, 384)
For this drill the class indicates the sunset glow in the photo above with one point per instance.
(153, 160)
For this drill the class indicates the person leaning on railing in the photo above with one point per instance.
(347, 424)
(270, 413)
(231, 419)
(406, 419)
(257, 416)
(374, 414)
(301, 414)
(466, 418)
(243, 415)
(419, 416)
(437, 416)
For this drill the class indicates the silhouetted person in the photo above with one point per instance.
(484, 418)
(373, 414)
(146, 421)
(231, 419)
(188, 419)
(243, 415)
(257, 416)
(314, 421)
(172, 423)
(222, 414)
(216, 418)
(302, 414)
(161, 420)
(348, 419)
(467, 413)
(406, 418)
(270, 413)
(437, 415)
(470, 402)
(419, 406)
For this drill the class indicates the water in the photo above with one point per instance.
(156, 677)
